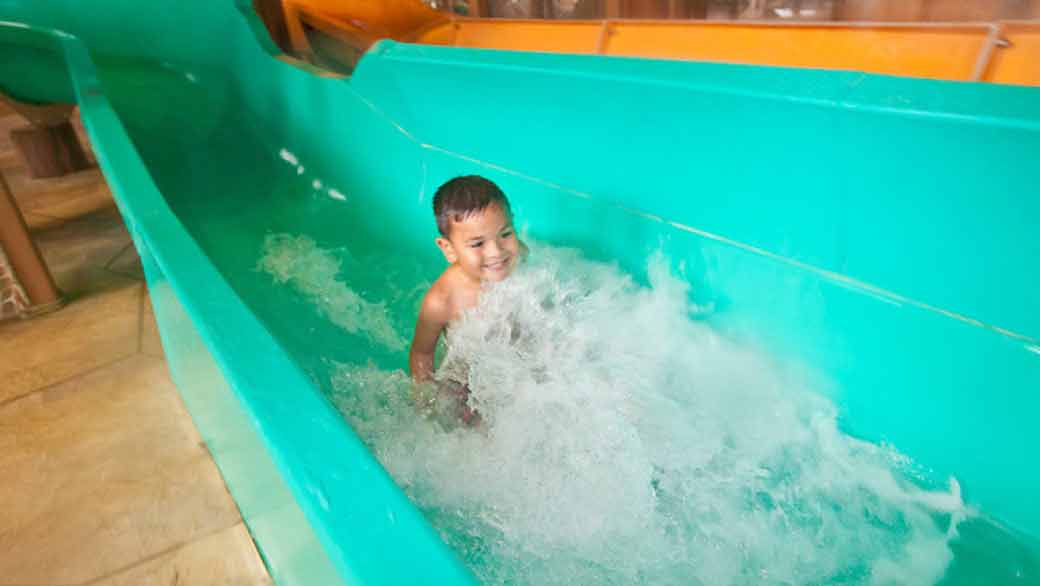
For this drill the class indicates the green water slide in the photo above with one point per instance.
(878, 231)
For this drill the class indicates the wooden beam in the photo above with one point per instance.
(299, 46)
(23, 256)
(273, 17)
(48, 144)
(39, 114)
(675, 9)
(697, 9)
(478, 8)
(50, 151)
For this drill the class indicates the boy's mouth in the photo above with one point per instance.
(497, 265)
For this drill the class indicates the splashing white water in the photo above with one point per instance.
(314, 272)
(625, 443)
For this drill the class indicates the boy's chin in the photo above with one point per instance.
(496, 276)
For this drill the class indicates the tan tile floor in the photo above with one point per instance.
(104, 479)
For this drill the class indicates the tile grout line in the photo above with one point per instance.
(116, 256)
(43, 215)
(48, 386)
(140, 318)
(208, 451)
(158, 554)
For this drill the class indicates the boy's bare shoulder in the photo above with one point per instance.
(439, 302)
(448, 297)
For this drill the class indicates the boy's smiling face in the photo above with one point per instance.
(483, 244)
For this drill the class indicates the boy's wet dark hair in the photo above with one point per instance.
(463, 196)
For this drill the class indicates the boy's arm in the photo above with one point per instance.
(433, 317)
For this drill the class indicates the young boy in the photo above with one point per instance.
(480, 245)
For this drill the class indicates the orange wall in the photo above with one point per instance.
(902, 51)
(916, 50)
(942, 52)
(1019, 63)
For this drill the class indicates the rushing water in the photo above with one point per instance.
(624, 441)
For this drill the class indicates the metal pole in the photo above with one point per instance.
(993, 41)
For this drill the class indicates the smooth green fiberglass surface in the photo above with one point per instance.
(776, 325)
(339, 290)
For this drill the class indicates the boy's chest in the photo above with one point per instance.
(463, 300)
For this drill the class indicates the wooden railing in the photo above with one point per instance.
(999, 52)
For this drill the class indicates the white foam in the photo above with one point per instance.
(624, 442)
(315, 272)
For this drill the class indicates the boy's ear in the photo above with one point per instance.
(447, 249)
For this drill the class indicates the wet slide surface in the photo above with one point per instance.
(742, 272)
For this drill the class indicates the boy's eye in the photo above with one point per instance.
(507, 234)
(476, 244)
